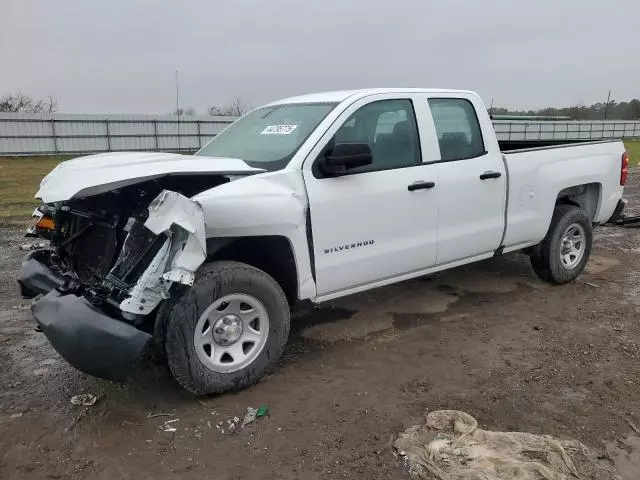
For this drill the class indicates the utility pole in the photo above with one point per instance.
(606, 108)
(178, 108)
(491, 108)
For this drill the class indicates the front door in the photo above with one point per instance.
(378, 221)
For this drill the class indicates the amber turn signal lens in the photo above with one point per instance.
(46, 223)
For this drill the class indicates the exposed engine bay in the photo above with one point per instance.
(123, 249)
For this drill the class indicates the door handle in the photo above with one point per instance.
(487, 175)
(420, 185)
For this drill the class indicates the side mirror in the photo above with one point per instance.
(345, 156)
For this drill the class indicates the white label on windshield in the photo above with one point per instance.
(278, 130)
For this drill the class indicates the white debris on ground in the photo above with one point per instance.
(168, 427)
(450, 446)
(230, 427)
(32, 246)
(84, 399)
(250, 416)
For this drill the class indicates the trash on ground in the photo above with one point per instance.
(32, 246)
(160, 415)
(249, 417)
(631, 424)
(450, 445)
(16, 415)
(84, 399)
(230, 427)
(618, 327)
(592, 285)
(21, 307)
(167, 427)
(262, 410)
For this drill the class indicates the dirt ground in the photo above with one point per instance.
(489, 339)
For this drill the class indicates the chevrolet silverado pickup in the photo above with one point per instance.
(309, 198)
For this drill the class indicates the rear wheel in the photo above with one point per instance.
(226, 331)
(565, 251)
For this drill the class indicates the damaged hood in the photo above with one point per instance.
(95, 174)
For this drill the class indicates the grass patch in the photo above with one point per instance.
(633, 149)
(19, 181)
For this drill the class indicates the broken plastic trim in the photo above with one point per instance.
(181, 222)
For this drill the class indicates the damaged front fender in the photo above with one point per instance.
(172, 209)
(181, 221)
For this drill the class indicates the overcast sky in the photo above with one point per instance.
(119, 56)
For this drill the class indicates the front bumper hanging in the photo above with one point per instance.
(87, 338)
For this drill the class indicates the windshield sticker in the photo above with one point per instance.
(278, 130)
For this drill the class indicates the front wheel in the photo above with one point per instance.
(565, 251)
(226, 331)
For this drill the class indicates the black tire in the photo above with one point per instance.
(546, 260)
(213, 281)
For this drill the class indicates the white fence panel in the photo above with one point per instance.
(29, 134)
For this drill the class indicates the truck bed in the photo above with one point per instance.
(540, 172)
(510, 146)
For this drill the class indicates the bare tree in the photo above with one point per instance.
(19, 102)
(236, 108)
(185, 112)
(52, 104)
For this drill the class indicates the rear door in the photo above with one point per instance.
(379, 221)
(471, 179)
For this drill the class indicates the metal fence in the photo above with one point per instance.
(35, 134)
(565, 130)
(41, 134)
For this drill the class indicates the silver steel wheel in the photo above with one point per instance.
(573, 246)
(231, 333)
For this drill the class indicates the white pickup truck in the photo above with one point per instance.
(309, 198)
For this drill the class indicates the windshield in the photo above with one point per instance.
(270, 136)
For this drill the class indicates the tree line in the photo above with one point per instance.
(236, 108)
(598, 111)
(19, 102)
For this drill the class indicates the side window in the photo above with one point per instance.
(457, 126)
(389, 128)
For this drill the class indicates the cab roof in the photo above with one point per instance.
(339, 96)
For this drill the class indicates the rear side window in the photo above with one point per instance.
(457, 126)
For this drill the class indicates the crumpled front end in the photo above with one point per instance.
(111, 263)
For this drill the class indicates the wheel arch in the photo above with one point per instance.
(587, 197)
(273, 254)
